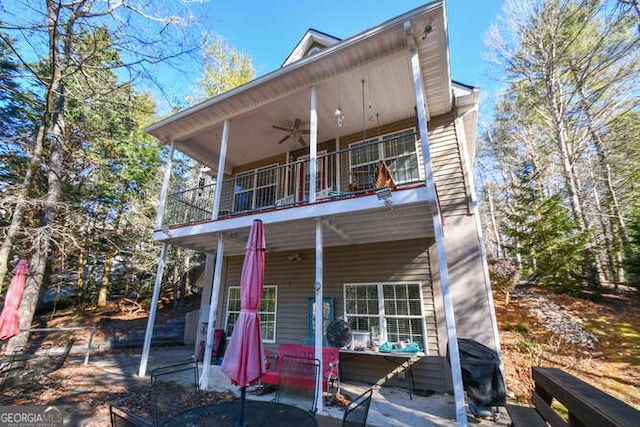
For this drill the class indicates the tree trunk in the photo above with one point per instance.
(104, 284)
(554, 103)
(54, 109)
(40, 252)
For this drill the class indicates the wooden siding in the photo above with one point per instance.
(384, 262)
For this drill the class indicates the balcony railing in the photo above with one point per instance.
(360, 169)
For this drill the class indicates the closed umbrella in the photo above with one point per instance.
(9, 320)
(243, 360)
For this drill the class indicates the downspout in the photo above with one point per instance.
(454, 355)
(217, 277)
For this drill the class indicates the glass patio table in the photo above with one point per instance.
(256, 413)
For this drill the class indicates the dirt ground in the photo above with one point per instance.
(612, 363)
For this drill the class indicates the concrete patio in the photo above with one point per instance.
(391, 406)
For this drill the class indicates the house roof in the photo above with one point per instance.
(369, 71)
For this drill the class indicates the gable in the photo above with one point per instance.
(311, 43)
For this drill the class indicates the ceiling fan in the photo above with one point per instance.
(294, 131)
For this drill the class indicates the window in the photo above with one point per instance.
(255, 189)
(398, 150)
(267, 311)
(393, 311)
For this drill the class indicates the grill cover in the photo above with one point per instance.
(481, 373)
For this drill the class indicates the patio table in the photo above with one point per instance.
(256, 413)
(403, 362)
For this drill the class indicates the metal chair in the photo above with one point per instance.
(22, 369)
(122, 418)
(355, 414)
(298, 381)
(174, 388)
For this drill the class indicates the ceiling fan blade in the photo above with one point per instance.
(284, 139)
(296, 124)
(302, 141)
(281, 128)
(306, 131)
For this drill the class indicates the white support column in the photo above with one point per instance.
(165, 186)
(213, 313)
(220, 175)
(207, 288)
(152, 314)
(319, 342)
(454, 354)
(313, 146)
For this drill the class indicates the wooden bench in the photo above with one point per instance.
(586, 405)
(330, 360)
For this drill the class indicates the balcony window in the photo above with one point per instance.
(256, 189)
(390, 311)
(398, 150)
(267, 311)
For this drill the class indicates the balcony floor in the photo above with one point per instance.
(349, 221)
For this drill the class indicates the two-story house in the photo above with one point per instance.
(357, 156)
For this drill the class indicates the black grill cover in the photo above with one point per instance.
(481, 373)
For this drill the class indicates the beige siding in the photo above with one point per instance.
(447, 166)
(384, 262)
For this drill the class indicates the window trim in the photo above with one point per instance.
(381, 314)
(275, 313)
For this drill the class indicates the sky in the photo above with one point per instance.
(269, 30)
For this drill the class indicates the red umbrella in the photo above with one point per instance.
(243, 360)
(9, 321)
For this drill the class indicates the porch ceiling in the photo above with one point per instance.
(379, 57)
(372, 222)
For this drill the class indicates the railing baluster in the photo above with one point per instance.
(344, 172)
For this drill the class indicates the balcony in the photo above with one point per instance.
(363, 169)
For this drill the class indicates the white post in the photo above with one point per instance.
(152, 313)
(207, 288)
(165, 186)
(220, 175)
(319, 342)
(213, 312)
(313, 146)
(454, 355)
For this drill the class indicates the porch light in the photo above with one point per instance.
(339, 116)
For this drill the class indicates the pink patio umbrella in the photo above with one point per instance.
(9, 321)
(243, 360)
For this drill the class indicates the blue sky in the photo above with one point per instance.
(269, 30)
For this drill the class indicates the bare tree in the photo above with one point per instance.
(143, 38)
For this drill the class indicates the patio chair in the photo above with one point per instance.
(355, 414)
(23, 369)
(173, 388)
(122, 418)
(297, 382)
(55, 362)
